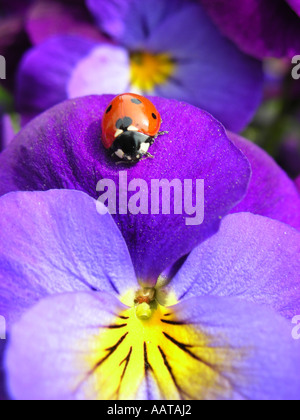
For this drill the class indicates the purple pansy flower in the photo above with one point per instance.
(62, 149)
(261, 28)
(75, 134)
(153, 51)
(78, 331)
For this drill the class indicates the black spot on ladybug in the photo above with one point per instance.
(154, 116)
(109, 109)
(124, 123)
(136, 101)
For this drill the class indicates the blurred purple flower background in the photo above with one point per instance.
(261, 28)
(223, 76)
(154, 47)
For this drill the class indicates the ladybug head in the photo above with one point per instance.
(131, 145)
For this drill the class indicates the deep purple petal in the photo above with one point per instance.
(62, 149)
(259, 27)
(48, 18)
(261, 361)
(271, 193)
(51, 347)
(54, 242)
(252, 258)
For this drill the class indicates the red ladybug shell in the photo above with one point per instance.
(139, 109)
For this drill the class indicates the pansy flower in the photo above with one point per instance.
(84, 327)
(59, 254)
(259, 27)
(75, 132)
(155, 47)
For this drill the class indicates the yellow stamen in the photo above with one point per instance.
(148, 347)
(143, 311)
(150, 70)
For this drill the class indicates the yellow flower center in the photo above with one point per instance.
(148, 348)
(150, 70)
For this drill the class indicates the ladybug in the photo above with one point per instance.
(130, 126)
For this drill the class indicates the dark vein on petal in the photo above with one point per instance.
(145, 26)
(113, 285)
(185, 293)
(166, 321)
(185, 348)
(170, 370)
(147, 364)
(147, 368)
(126, 361)
(182, 346)
(110, 351)
(115, 326)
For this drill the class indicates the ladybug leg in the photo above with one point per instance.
(147, 156)
(161, 133)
